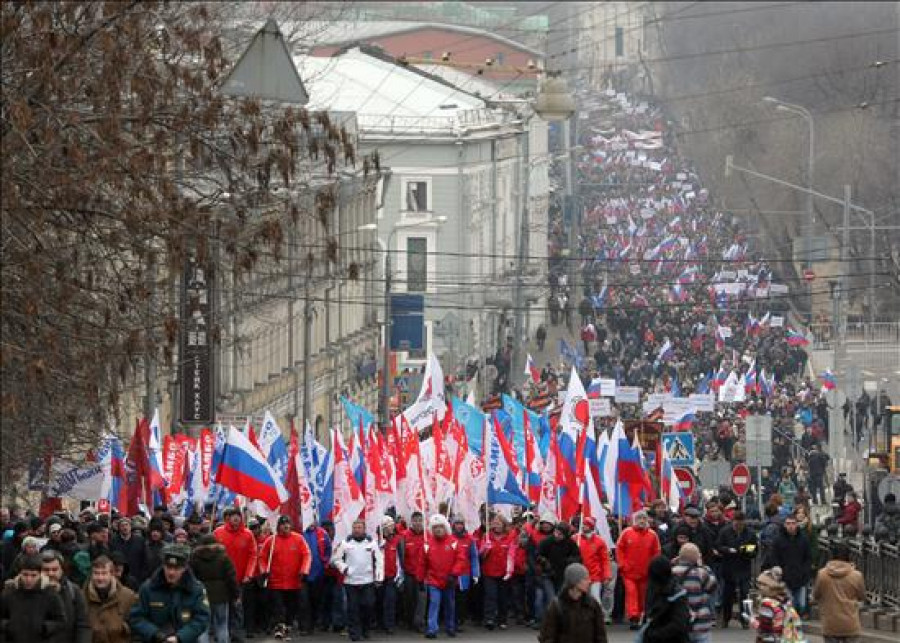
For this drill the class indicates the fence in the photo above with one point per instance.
(879, 563)
(879, 333)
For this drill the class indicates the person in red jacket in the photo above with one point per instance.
(637, 546)
(392, 552)
(471, 571)
(594, 556)
(284, 561)
(241, 547)
(445, 561)
(414, 573)
(497, 562)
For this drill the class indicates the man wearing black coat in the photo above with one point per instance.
(558, 552)
(133, 547)
(738, 547)
(30, 611)
(699, 535)
(76, 628)
(793, 554)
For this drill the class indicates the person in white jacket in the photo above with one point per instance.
(360, 560)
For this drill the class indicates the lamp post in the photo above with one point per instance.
(386, 355)
(811, 161)
(553, 103)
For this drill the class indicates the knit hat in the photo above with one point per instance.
(682, 530)
(156, 525)
(180, 532)
(54, 528)
(562, 526)
(770, 584)
(284, 520)
(589, 522)
(660, 570)
(30, 541)
(387, 521)
(574, 574)
(438, 520)
(637, 515)
(689, 553)
(207, 539)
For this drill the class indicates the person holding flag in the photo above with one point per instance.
(358, 557)
(241, 548)
(414, 572)
(445, 562)
(392, 553)
(470, 572)
(284, 561)
(497, 552)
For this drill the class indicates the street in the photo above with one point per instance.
(617, 634)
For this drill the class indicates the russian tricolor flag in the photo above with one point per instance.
(685, 422)
(829, 382)
(244, 470)
(796, 339)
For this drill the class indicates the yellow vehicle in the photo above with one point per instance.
(891, 438)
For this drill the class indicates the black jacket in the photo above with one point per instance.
(558, 554)
(214, 569)
(571, 621)
(30, 616)
(77, 628)
(154, 559)
(794, 555)
(136, 555)
(736, 564)
(668, 614)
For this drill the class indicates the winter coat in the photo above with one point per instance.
(414, 555)
(109, 616)
(359, 560)
(559, 554)
(736, 564)
(290, 559)
(595, 556)
(668, 614)
(445, 561)
(135, 552)
(850, 515)
(154, 558)
(241, 547)
(634, 551)
(30, 615)
(496, 557)
(392, 552)
(212, 567)
(320, 552)
(182, 610)
(793, 555)
(77, 629)
(700, 585)
(887, 526)
(472, 567)
(839, 588)
(573, 621)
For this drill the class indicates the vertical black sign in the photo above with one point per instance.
(196, 346)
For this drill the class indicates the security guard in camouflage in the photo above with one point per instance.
(172, 605)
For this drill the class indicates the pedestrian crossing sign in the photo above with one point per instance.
(679, 448)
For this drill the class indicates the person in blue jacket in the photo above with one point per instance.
(312, 594)
(172, 605)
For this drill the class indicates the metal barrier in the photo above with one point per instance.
(878, 333)
(879, 563)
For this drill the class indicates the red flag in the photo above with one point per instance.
(444, 483)
(137, 469)
(291, 507)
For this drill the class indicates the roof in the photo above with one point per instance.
(388, 96)
(342, 32)
(475, 85)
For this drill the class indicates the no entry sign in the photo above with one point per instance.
(740, 479)
(686, 481)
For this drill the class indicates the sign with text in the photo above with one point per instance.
(196, 361)
(628, 394)
(703, 402)
(602, 387)
(600, 407)
(676, 408)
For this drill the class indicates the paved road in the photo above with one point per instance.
(617, 634)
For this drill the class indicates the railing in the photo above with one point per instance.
(857, 333)
(879, 563)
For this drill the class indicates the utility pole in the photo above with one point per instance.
(295, 378)
(386, 355)
(307, 340)
(518, 304)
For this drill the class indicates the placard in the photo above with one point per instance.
(779, 289)
(600, 407)
(703, 402)
(776, 322)
(677, 408)
(628, 394)
(605, 387)
(658, 399)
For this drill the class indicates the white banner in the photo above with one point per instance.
(600, 407)
(628, 394)
(69, 480)
(776, 322)
(704, 402)
(656, 400)
(778, 289)
(607, 387)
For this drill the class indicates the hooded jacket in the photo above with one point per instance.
(240, 545)
(30, 615)
(445, 560)
(595, 556)
(287, 563)
(794, 556)
(634, 551)
(559, 554)
(669, 615)
(573, 621)
(109, 616)
(212, 567)
(839, 588)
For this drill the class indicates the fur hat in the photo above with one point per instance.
(574, 574)
(438, 520)
(689, 553)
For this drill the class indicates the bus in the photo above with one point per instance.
(891, 431)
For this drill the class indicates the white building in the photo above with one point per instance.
(450, 154)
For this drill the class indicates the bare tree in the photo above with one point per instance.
(120, 158)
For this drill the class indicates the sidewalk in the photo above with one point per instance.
(867, 636)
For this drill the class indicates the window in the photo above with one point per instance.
(498, 59)
(416, 264)
(428, 55)
(417, 196)
(620, 41)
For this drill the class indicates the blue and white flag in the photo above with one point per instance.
(503, 488)
(271, 442)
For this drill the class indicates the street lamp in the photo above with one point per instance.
(804, 113)
(386, 356)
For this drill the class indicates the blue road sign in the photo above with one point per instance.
(680, 447)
